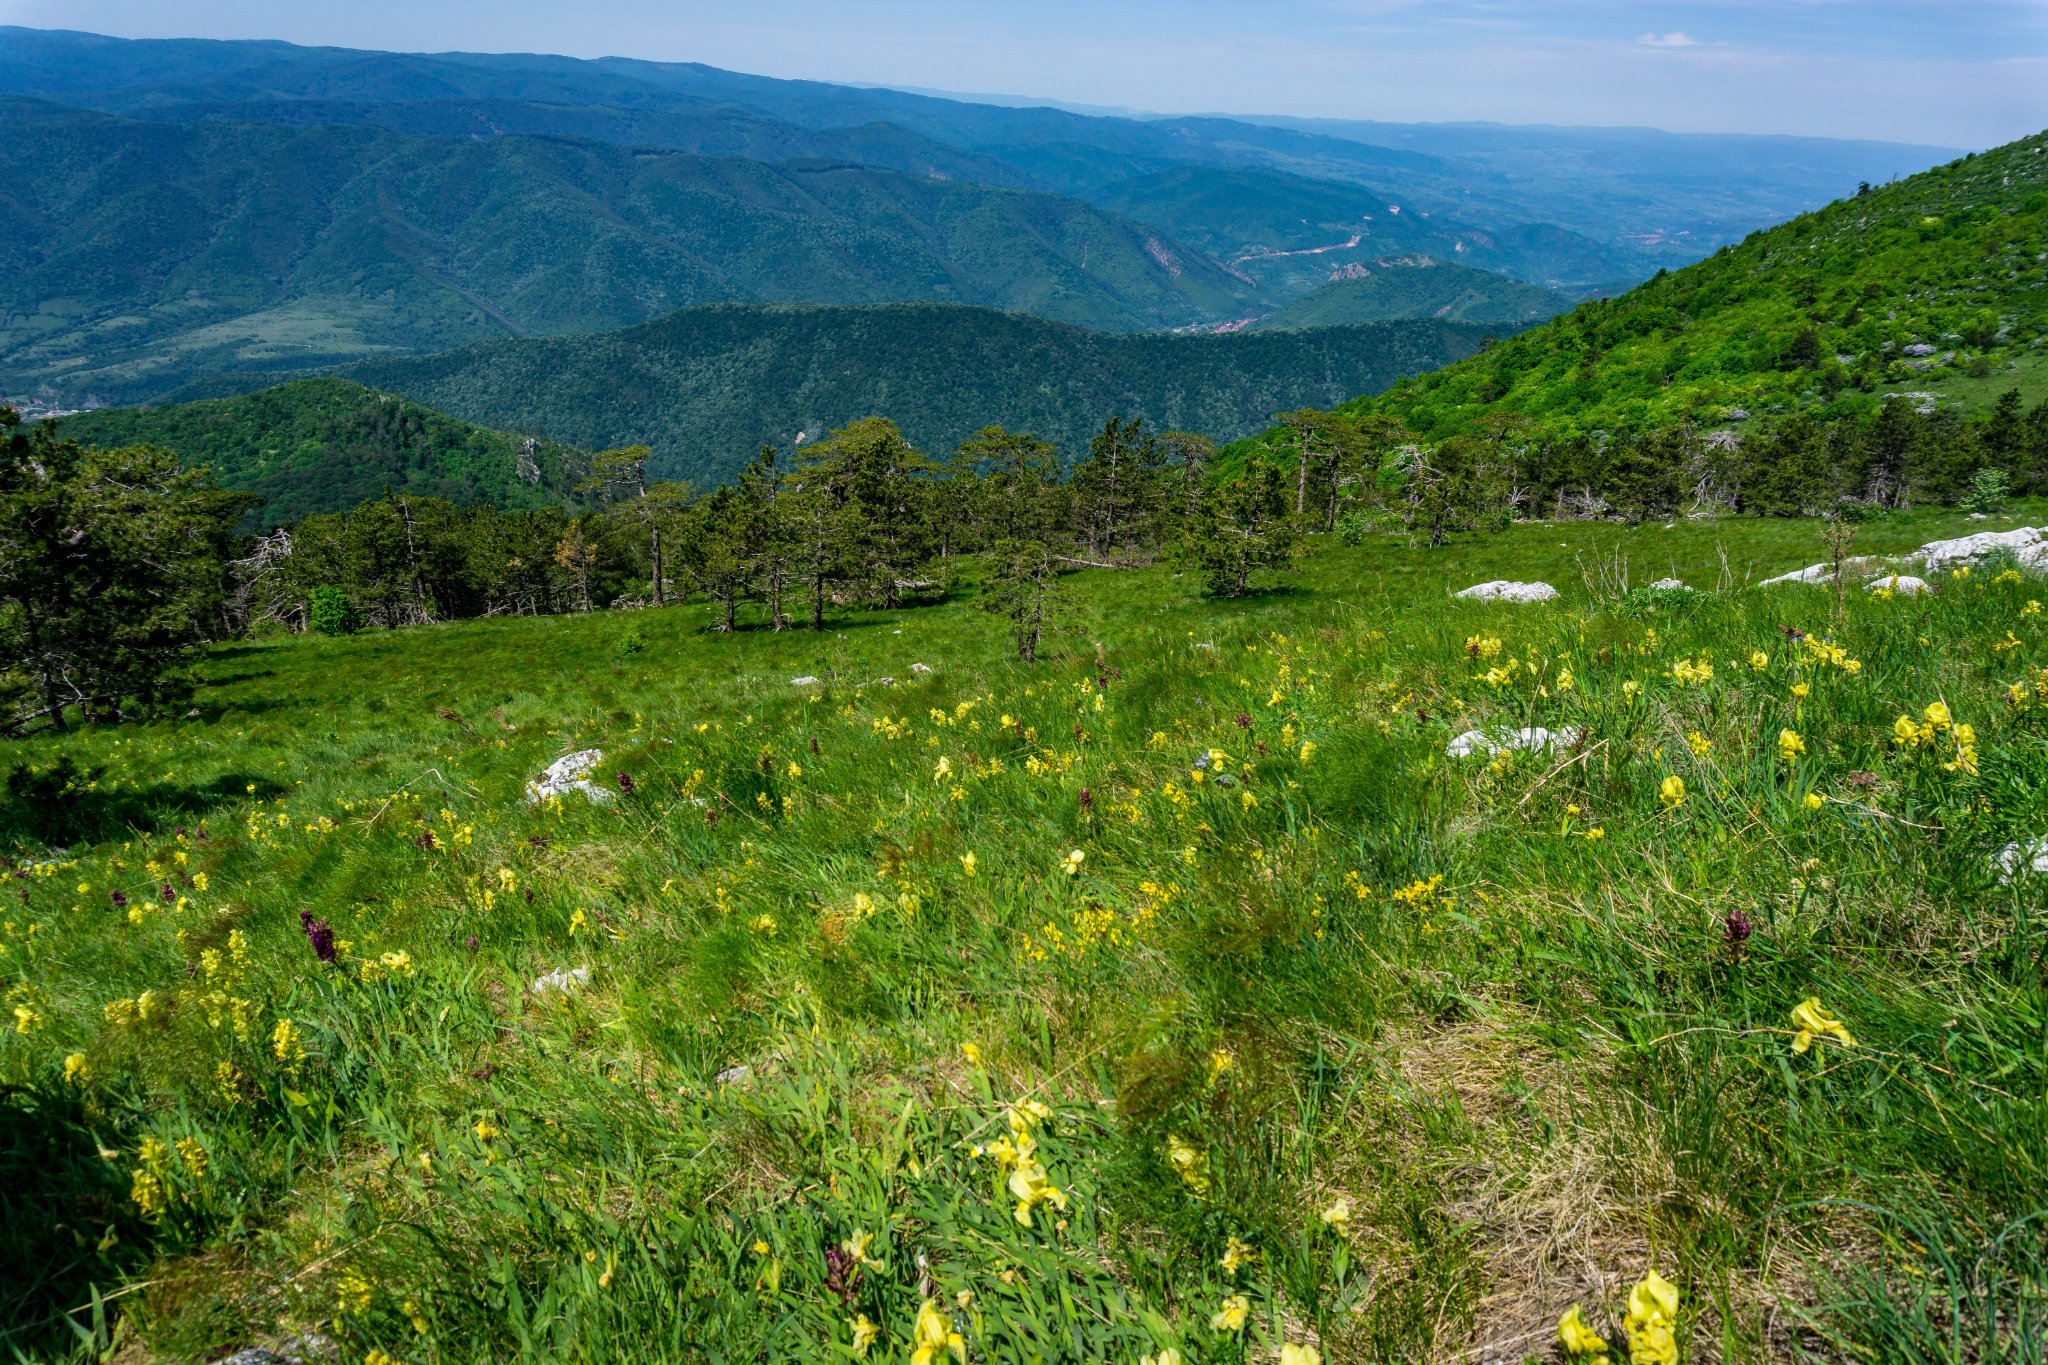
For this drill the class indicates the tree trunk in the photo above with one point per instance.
(1301, 478)
(654, 544)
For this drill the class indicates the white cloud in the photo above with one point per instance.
(1668, 40)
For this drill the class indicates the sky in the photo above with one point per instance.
(1959, 73)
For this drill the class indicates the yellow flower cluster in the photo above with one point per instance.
(1812, 1021)
(1936, 729)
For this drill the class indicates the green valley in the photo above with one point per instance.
(1419, 287)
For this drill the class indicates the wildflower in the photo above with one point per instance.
(1800, 690)
(1230, 1317)
(1220, 1061)
(1308, 751)
(1073, 863)
(1032, 1186)
(318, 934)
(1790, 745)
(1292, 1354)
(76, 1069)
(856, 1248)
(485, 1130)
(968, 862)
(1759, 661)
(1336, 1214)
(1937, 715)
(1597, 832)
(1630, 689)
(1579, 1339)
(1813, 1022)
(865, 1334)
(1237, 1255)
(26, 1019)
(934, 1336)
(972, 1053)
(1169, 1356)
(1700, 745)
(288, 1044)
(1189, 1164)
(200, 881)
(944, 770)
(764, 925)
(1652, 1315)
(1672, 791)
(194, 1157)
(1736, 928)
(1814, 801)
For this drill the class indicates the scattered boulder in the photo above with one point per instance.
(805, 681)
(733, 1073)
(920, 668)
(1507, 590)
(1939, 554)
(1670, 585)
(2015, 859)
(561, 981)
(1812, 573)
(570, 774)
(1905, 585)
(1533, 739)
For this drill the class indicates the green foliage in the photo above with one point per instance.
(1242, 531)
(1989, 492)
(110, 574)
(326, 445)
(330, 612)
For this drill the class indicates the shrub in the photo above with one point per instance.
(329, 611)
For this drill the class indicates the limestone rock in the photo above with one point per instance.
(1507, 590)
(570, 774)
(1533, 739)
(1905, 585)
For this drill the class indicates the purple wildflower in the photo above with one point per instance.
(319, 934)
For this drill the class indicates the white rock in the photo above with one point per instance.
(571, 774)
(1939, 554)
(562, 980)
(920, 668)
(732, 1073)
(1534, 740)
(1905, 585)
(2014, 859)
(1671, 585)
(1813, 573)
(805, 681)
(1507, 590)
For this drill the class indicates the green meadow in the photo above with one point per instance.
(1174, 999)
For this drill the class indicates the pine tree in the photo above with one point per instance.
(1242, 529)
(1115, 488)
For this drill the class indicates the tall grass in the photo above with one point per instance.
(1413, 1053)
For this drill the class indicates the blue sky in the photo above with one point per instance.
(1954, 72)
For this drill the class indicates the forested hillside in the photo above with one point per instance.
(325, 445)
(706, 387)
(1419, 287)
(139, 255)
(1902, 289)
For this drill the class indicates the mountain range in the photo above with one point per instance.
(176, 208)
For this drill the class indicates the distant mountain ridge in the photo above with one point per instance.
(1419, 287)
(707, 387)
(140, 255)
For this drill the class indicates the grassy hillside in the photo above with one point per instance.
(1890, 290)
(325, 445)
(139, 255)
(708, 386)
(1419, 287)
(1280, 1025)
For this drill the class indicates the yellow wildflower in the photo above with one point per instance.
(1813, 1022)
(1759, 661)
(1937, 715)
(1336, 1214)
(76, 1069)
(1073, 862)
(1220, 1061)
(1230, 1317)
(1190, 1165)
(1790, 745)
(934, 1336)
(1672, 791)
(1652, 1317)
(865, 1334)
(968, 862)
(1032, 1186)
(1579, 1339)
(1292, 1354)
(1800, 690)
(972, 1052)
(1169, 1356)
(1237, 1255)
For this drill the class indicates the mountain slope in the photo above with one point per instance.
(1941, 274)
(1419, 287)
(324, 445)
(138, 255)
(708, 386)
